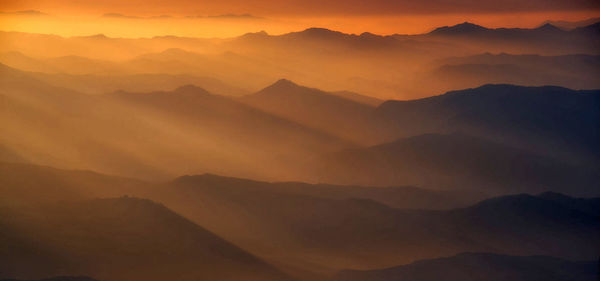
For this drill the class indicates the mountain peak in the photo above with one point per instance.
(258, 34)
(464, 27)
(191, 89)
(284, 82)
(281, 85)
(548, 27)
(317, 32)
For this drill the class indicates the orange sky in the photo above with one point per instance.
(85, 17)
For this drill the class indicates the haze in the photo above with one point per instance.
(299, 140)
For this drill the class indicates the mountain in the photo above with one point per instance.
(201, 198)
(313, 108)
(358, 98)
(406, 197)
(174, 67)
(90, 82)
(33, 184)
(120, 239)
(223, 116)
(239, 69)
(151, 135)
(569, 25)
(548, 120)
(571, 71)
(321, 234)
(459, 29)
(481, 266)
(454, 161)
(587, 205)
(383, 66)
(27, 184)
(317, 230)
(511, 39)
(470, 29)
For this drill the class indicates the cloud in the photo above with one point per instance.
(117, 15)
(223, 16)
(230, 16)
(25, 13)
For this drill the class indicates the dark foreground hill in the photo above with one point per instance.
(119, 239)
(318, 229)
(359, 233)
(481, 266)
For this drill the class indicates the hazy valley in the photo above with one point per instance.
(463, 153)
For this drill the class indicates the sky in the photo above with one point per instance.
(227, 18)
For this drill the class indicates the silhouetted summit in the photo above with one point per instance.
(549, 28)
(281, 85)
(316, 33)
(462, 28)
(191, 89)
(313, 108)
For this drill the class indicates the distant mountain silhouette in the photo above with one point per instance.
(481, 266)
(470, 29)
(456, 160)
(531, 39)
(571, 71)
(383, 66)
(568, 25)
(90, 79)
(120, 239)
(313, 108)
(462, 28)
(590, 30)
(549, 120)
(406, 197)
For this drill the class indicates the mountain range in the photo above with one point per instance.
(506, 138)
(82, 131)
(390, 66)
(317, 229)
(464, 153)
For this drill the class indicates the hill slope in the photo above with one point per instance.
(313, 108)
(120, 239)
(150, 135)
(547, 120)
(481, 266)
(454, 161)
